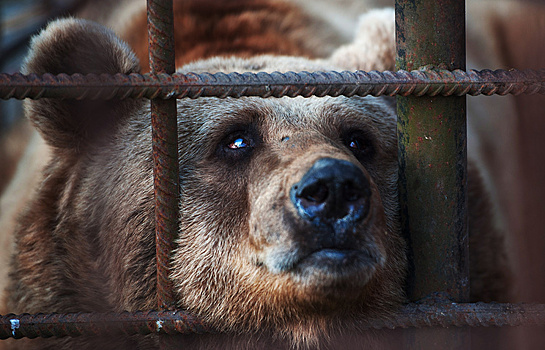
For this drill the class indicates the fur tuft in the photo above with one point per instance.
(373, 47)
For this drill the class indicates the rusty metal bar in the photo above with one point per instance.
(432, 150)
(97, 324)
(426, 82)
(416, 315)
(165, 147)
(432, 156)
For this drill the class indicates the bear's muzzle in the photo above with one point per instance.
(334, 193)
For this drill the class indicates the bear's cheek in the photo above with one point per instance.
(317, 255)
(213, 216)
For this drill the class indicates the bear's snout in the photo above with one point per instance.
(333, 192)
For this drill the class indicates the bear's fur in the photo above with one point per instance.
(243, 28)
(246, 260)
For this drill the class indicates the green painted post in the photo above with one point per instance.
(433, 162)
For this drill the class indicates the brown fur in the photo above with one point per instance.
(87, 236)
(242, 28)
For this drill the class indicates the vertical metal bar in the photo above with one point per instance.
(432, 160)
(165, 147)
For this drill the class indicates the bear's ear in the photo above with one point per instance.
(373, 47)
(78, 46)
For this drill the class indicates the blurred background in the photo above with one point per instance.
(19, 19)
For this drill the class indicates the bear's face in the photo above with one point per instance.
(288, 206)
(287, 197)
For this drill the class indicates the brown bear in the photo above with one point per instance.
(289, 232)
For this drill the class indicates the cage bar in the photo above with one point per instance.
(416, 315)
(426, 82)
(432, 151)
(165, 147)
(433, 163)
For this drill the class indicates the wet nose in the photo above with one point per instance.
(332, 190)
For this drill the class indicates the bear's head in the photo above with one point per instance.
(288, 206)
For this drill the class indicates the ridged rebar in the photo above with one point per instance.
(165, 147)
(76, 324)
(416, 315)
(160, 36)
(463, 315)
(431, 82)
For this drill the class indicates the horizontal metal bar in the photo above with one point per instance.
(76, 324)
(429, 82)
(178, 322)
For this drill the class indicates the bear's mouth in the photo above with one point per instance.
(336, 261)
(329, 257)
(335, 269)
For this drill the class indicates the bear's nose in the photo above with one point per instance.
(332, 190)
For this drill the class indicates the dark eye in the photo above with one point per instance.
(355, 145)
(237, 145)
(360, 145)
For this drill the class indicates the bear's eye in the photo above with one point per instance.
(355, 144)
(237, 145)
(360, 145)
(239, 142)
